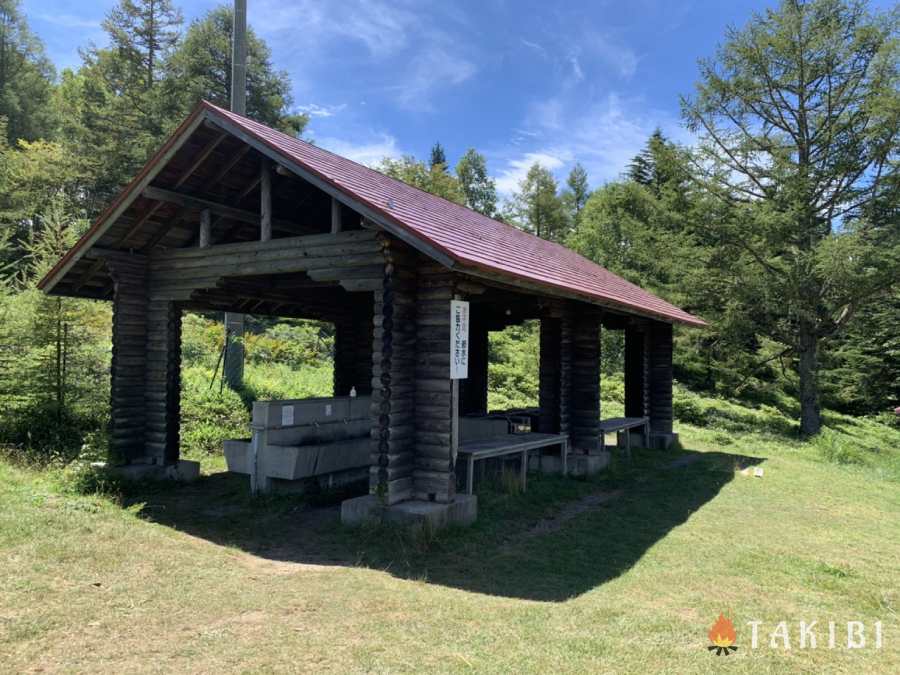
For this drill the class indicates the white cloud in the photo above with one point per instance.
(416, 47)
(603, 136)
(316, 110)
(369, 152)
(432, 69)
(509, 178)
(69, 20)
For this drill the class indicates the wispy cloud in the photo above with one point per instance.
(415, 50)
(514, 172)
(316, 110)
(69, 20)
(369, 152)
(603, 136)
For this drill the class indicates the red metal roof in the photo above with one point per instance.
(470, 239)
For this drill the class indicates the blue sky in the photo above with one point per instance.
(519, 81)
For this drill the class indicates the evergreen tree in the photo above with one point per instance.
(478, 187)
(576, 194)
(26, 78)
(438, 157)
(433, 179)
(800, 118)
(200, 68)
(143, 33)
(537, 207)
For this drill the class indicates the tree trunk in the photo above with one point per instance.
(807, 353)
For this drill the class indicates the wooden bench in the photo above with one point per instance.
(510, 444)
(624, 424)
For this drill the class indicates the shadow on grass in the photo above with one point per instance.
(562, 538)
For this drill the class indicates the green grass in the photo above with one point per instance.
(201, 578)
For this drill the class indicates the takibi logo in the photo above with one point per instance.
(722, 636)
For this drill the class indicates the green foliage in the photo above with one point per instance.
(513, 367)
(26, 79)
(576, 194)
(209, 414)
(538, 207)
(438, 158)
(479, 188)
(799, 114)
(430, 178)
(200, 68)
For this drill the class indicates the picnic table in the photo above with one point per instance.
(509, 445)
(624, 424)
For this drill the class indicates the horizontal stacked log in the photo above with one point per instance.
(549, 375)
(435, 460)
(393, 381)
(473, 389)
(163, 381)
(352, 259)
(660, 372)
(637, 403)
(585, 401)
(129, 339)
(565, 372)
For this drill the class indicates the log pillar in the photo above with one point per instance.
(549, 375)
(585, 396)
(393, 382)
(473, 391)
(555, 372)
(162, 391)
(636, 370)
(435, 456)
(659, 356)
(129, 341)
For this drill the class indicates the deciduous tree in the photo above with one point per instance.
(799, 114)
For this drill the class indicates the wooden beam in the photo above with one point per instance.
(219, 175)
(265, 202)
(189, 201)
(205, 228)
(336, 216)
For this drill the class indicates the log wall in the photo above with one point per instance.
(660, 376)
(473, 390)
(129, 337)
(637, 373)
(435, 474)
(163, 381)
(550, 375)
(585, 402)
(393, 378)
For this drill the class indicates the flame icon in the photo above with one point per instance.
(722, 636)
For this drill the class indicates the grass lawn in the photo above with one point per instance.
(622, 574)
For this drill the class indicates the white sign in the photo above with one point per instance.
(287, 416)
(459, 339)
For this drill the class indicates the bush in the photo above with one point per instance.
(209, 416)
(45, 433)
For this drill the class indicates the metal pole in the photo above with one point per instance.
(233, 368)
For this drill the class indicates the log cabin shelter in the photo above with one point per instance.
(231, 215)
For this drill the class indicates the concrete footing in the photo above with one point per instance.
(183, 470)
(663, 441)
(415, 513)
(588, 465)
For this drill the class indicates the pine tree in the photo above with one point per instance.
(438, 157)
(537, 207)
(477, 186)
(200, 68)
(26, 78)
(143, 33)
(800, 119)
(576, 193)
